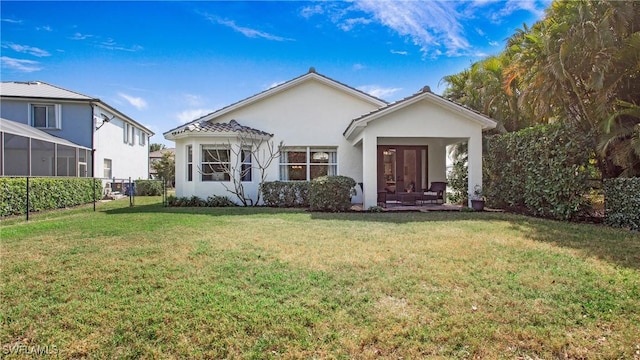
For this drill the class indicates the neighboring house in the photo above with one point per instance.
(98, 140)
(156, 156)
(329, 128)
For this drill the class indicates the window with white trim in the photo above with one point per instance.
(126, 131)
(215, 163)
(107, 168)
(46, 116)
(142, 140)
(189, 163)
(246, 166)
(307, 163)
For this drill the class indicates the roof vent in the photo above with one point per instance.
(426, 89)
(312, 70)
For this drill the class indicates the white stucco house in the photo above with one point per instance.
(50, 131)
(329, 128)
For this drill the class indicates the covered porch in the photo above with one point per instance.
(404, 146)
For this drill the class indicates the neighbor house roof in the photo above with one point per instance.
(39, 89)
(16, 128)
(42, 90)
(205, 127)
(310, 75)
(424, 93)
(159, 153)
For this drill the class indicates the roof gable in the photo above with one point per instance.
(424, 94)
(205, 127)
(312, 75)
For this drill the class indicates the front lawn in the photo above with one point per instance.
(154, 282)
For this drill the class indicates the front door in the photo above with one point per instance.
(402, 169)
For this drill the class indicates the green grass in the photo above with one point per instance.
(154, 282)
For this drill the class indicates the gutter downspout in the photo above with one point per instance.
(93, 134)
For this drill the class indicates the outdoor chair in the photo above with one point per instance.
(435, 192)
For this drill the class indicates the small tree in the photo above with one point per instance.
(250, 152)
(166, 167)
(155, 147)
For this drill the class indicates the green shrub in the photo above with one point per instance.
(149, 187)
(542, 170)
(331, 193)
(458, 181)
(622, 202)
(194, 201)
(219, 201)
(285, 194)
(46, 193)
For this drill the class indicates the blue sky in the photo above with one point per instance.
(167, 63)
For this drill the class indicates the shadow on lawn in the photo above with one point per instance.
(617, 246)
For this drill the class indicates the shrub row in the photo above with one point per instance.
(622, 202)
(542, 170)
(194, 201)
(286, 194)
(46, 193)
(149, 187)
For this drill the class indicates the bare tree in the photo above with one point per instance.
(236, 162)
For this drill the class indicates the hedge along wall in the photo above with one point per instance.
(285, 194)
(46, 193)
(542, 170)
(622, 203)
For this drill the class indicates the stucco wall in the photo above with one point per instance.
(310, 114)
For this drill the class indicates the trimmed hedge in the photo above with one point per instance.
(331, 193)
(285, 194)
(194, 201)
(622, 202)
(148, 187)
(542, 170)
(46, 193)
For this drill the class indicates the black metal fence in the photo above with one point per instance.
(17, 194)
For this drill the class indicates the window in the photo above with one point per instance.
(66, 160)
(215, 163)
(189, 163)
(45, 116)
(306, 163)
(107, 169)
(142, 139)
(245, 168)
(128, 133)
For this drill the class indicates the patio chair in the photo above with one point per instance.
(435, 192)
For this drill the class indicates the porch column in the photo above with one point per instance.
(475, 164)
(369, 171)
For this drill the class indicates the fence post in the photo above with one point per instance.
(94, 194)
(27, 198)
(130, 193)
(164, 192)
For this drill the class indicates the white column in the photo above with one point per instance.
(475, 163)
(369, 171)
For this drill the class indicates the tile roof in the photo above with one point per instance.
(39, 89)
(222, 128)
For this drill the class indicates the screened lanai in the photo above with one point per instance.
(27, 151)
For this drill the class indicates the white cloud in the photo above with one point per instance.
(186, 116)
(44, 28)
(357, 67)
(308, 11)
(275, 83)
(79, 36)
(349, 24)
(398, 52)
(494, 43)
(193, 100)
(20, 64)
(378, 91)
(110, 44)
(248, 32)
(432, 26)
(26, 49)
(12, 21)
(137, 102)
